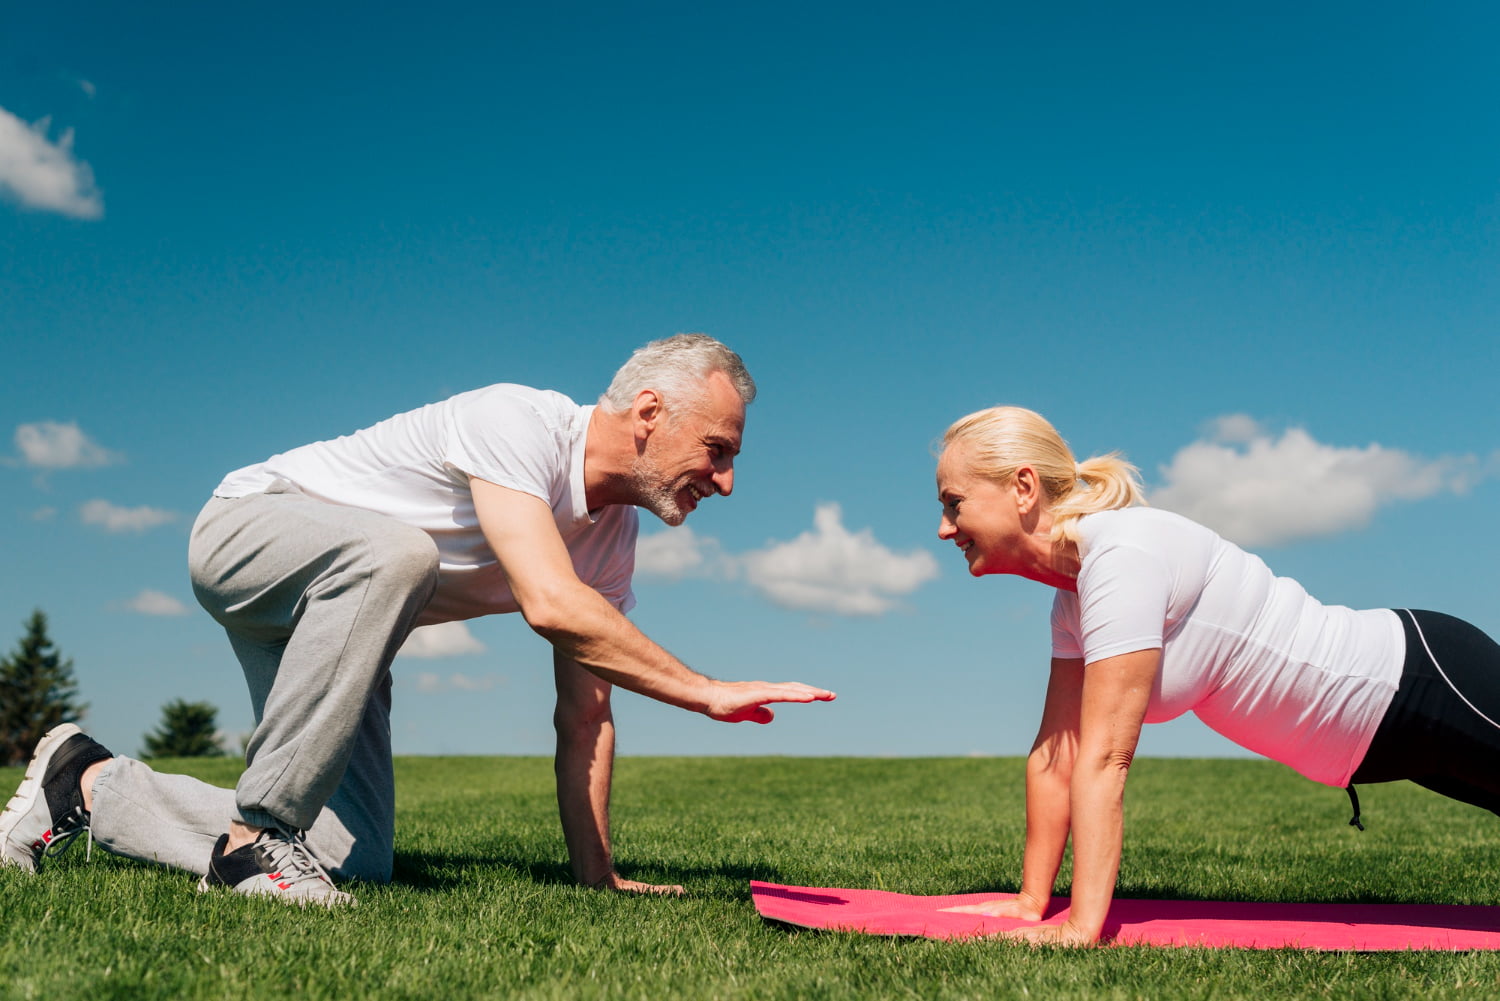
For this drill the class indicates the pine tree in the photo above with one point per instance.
(37, 692)
(187, 730)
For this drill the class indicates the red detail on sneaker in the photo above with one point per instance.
(285, 886)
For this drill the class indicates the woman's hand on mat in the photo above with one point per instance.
(1065, 934)
(614, 881)
(1021, 907)
(745, 701)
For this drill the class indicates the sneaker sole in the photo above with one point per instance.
(25, 798)
(337, 898)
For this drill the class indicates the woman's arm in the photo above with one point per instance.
(1049, 770)
(1115, 692)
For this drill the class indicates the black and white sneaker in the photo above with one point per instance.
(276, 864)
(46, 813)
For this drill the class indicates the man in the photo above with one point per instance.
(319, 562)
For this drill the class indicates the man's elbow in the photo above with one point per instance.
(551, 615)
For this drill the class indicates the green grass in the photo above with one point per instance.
(482, 905)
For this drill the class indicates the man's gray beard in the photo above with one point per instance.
(658, 498)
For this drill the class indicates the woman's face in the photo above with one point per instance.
(982, 517)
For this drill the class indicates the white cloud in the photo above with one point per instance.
(41, 174)
(1235, 428)
(150, 602)
(446, 639)
(113, 518)
(831, 569)
(679, 552)
(429, 683)
(54, 445)
(1257, 489)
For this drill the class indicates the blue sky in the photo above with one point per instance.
(1255, 249)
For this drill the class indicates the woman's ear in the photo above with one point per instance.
(1028, 487)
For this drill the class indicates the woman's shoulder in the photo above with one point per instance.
(1126, 520)
(1149, 528)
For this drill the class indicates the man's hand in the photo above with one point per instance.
(614, 881)
(745, 701)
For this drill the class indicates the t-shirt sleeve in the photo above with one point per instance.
(1122, 598)
(1066, 644)
(510, 441)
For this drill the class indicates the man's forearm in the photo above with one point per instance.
(585, 628)
(584, 767)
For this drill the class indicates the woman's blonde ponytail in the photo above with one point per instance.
(1104, 483)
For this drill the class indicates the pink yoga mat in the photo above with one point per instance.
(1214, 923)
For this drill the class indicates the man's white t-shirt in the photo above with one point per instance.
(415, 468)
(1252, 654)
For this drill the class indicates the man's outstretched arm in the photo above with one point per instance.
(582, 626)
(585, 766)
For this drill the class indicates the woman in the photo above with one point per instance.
(1156, 615)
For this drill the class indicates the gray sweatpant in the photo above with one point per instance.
(316, 600)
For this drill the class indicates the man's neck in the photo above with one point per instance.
(608, 453)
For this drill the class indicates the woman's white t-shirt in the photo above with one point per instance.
(1252, 654)
(415, 467)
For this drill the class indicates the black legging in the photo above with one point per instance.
(1442, 729)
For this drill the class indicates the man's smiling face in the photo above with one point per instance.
(690, 453)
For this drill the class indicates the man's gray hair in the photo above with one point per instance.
(677, 367)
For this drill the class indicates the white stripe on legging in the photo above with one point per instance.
(1440, 671)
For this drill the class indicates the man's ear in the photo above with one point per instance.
(646, 413)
